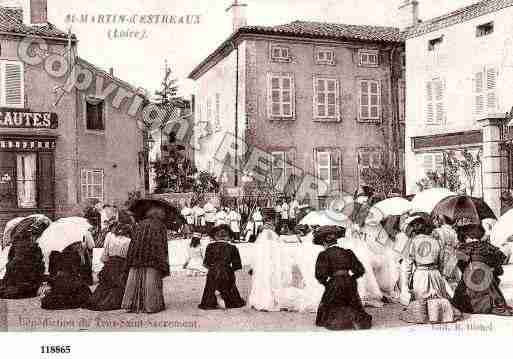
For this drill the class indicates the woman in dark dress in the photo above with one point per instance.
(148, 263)
(113, 276)
(25, 267)
(222, 259)
(337, 269)
(481, 264)
(67, 288)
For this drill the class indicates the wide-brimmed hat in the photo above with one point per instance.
(219, 228)
(141, 206)
(325, 234)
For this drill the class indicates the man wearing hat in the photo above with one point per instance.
(222, 260)
(338, 269)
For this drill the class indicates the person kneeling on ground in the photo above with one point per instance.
(67, 288)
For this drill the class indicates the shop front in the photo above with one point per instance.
(27, 164)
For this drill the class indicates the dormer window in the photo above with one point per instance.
(434, 44)
(280, 53)
(369, 58)
(324, 56)
(484, 29)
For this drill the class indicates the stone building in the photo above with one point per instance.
(459, 70)
(61, 142)
(321, 98)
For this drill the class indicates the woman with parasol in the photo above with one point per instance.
(147, 256)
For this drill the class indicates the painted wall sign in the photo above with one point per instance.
(23, 119)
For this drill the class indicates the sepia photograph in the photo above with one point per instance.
(255, 166)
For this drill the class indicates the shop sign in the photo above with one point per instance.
(23, 119)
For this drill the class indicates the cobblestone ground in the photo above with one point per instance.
(182, 294)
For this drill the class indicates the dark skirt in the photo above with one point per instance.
(66, 293)
(487, 301)
(341, 307)
(222, 280)
(144, 291)
(111, 288)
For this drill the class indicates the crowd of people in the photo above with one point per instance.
(437, 270)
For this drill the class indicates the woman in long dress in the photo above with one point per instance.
(67, 287)
(267, 280)
(481, 264)
(337, 269)
(148, 261)
(113, 276)
(422, 267)
(222, 259)
(194, 262)
(448, 239)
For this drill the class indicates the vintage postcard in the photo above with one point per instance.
(256, 166)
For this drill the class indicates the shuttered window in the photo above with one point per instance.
(370, 102)
(329, 165)
(282, 168)
(12, 91)
(91, 181)
(369, 158)
(326, 98)
(435, 102)
(485, 91)
(46, 180)
(280, 95)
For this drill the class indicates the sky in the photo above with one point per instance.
(141, 61)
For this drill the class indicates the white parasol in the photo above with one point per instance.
(395, 206)
(64, 232)
(502, 230)
(426, 200)
(326, 218)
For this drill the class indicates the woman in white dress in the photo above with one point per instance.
(266, 270)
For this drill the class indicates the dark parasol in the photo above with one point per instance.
(463, 210)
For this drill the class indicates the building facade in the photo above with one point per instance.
(458, 69)
(61, 144)
(318, 98)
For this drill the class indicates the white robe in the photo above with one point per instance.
(267, 273)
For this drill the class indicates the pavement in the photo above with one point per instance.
(182, 295)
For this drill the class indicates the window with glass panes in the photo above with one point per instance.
(326, 98)
(369, 158)
(328, 165)
(324, 56)
(280, 53)
(370, 107)
(369, 58)
(92, 184)
(280, 96)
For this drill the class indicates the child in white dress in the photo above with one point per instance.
(194, 262)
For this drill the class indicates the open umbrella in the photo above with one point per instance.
(395, 206)
(426, 200)
(173, 217)
(463, 210)
(502, 230)
(326, 218)
(9, 227)
(62, 233)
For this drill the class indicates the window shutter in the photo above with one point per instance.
(8, 190)
(491, 89)
(439, 162)
(478, 93)
(14, 95)
(439, 100)
(46, 180)
(429, 102)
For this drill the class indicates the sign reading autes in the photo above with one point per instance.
(20, 119)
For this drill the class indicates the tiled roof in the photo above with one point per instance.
(311, 29)
(10, 24)
(330, 31)
(461, 15)
(106, 74)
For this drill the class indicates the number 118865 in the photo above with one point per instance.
(55, 349)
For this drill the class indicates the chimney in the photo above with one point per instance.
(408, 14)
(35, 12)
(111, 71)
(238, 15)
